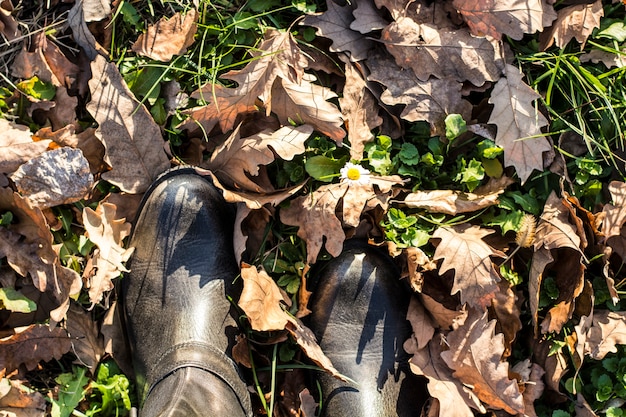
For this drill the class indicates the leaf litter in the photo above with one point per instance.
(400, 65)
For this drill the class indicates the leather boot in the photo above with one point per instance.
(177, 313)
(359, 317)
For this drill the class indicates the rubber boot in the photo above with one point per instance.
(177, 314)
(359, 308)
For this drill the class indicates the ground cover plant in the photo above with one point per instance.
(481, 145)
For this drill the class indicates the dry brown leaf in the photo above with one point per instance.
(168, 37)
(60, 176)
(417, 263)
(367, 18)
(443, 53)
(308, 103)
(577, 21)
(96, 10)
(250, 230)
(532, 383)
(615, 213)
(133, 141)
(107, 232)
(505, 309)
(87, 343)
(445, 318)
(335, 24)
(238, 159)
(31, 345)
(359, 109)
(455, 399)
(21, 401)
(475, 355)
(454, 202)
(608, 329)
(17, 146)
(278, 56)
(519, 124)
(81, 33)
(261, 300)
(513, 18)
(114, 339)
(609, 59)
(421, 323)
(8, 24)
(463, 249)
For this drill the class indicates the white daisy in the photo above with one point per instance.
(354, 174)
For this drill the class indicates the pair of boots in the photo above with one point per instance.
(180, 324)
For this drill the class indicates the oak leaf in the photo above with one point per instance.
(455, 399)
(87, 343)
(475, 355)
(454, 202)
(608, 329)
(463, 249)
(431, 100)
(60, 176)
(513, 18)
(31, 345)
(133, 141)
(367, 18)
(443, 53)
(239, 158)
(18, 400)
(577, 21)
(107, 232)
(277, 56)
(615, 212)
(168, 37)
(519, 124)
(421, 324)
(335, 24)
(609, 59)
(532, 382)
(17, 146)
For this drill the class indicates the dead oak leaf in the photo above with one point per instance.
(277, 56)
(615, 212)
(456, 400)
(519, 124)
(237, 159)
(463, 249)
(431, 100)
(335, 24)
(443, 53)
(87, 343)
(31, 345)
(17, 146)
(168, 37)
(107, 232)
(475, 355)
(367, 18)
(19, 400)
(577, 21)
(608, 329)
(513, 18)
(133, 141)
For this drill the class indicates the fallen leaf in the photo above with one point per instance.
(417, 263)
(519, 124)
(576, 21)
(20, 400)
(359, 109)
(608, 329)
(87, 343)
(31, 345)
(237, 159)
(615, 213)
(455, 399)
(421, 323)
(463, 249)
(335, 24)
(60, 176)
(513, 18)
(505, 309)
(475, 356)
(8, 24)
(454, 202)
(81, 34)
(261, 300)
(168, 37)
(532, 383)
(442, 53)
(114, 339)
(17, 146)
(367, 18)
(133, 141)
(609, 59)
(85, 140)
(107, 232)
(96, 10)
(444, 317)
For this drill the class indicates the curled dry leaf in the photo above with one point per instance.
(60, 176)
(31, 345)
(513, 18)
(17, 146)
(475, 355)
(133, 141)
(168, 37)
(519, 123)
(463, 249)
(107, 232)
(532, 382)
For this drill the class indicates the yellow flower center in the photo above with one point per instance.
(353, 174)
